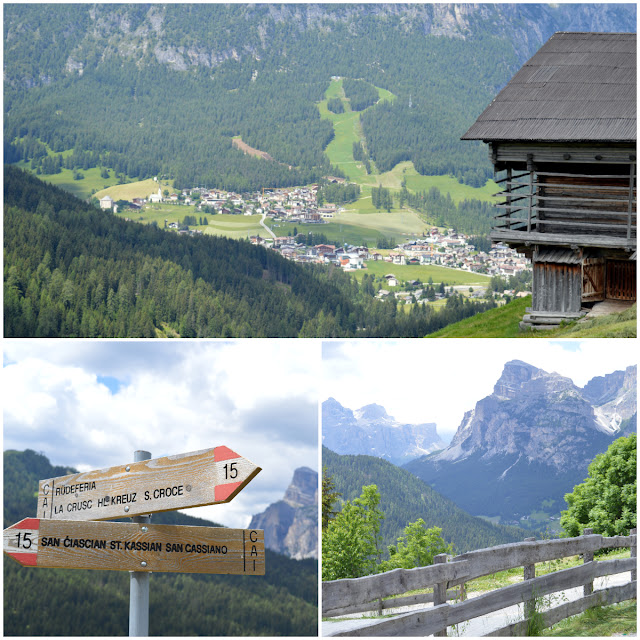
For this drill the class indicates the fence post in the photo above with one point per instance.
(440, 590)
(634, 551)
(529, 574)
(587, 556)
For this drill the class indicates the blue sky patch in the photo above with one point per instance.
(113, 384)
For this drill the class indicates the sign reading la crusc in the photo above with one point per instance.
(192, 479)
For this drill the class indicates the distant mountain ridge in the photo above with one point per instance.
(531, 440)
(405, 498)
(371, 431)
(291, 524)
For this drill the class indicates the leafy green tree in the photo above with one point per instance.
(417, 547)
(606, 500)
(351, 542)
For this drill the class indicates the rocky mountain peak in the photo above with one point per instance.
(371, 431)
(303, 490)
(531, 440)
(521, 378)
(291, 524)
(514, 376)
(372, 412)
(603, 389)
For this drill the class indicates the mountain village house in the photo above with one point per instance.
(564, 131)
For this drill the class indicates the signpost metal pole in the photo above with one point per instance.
(139, 589)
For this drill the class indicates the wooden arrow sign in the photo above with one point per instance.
(122, 546)
(192, 479)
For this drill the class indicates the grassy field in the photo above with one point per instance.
(616, 620)
(80, 188)
(225, 225)
(423, 273)
(348, 130)
(399, 224)
(615, 325)
(357, 229)
(447, 184)
(503, 322)
(140, 189)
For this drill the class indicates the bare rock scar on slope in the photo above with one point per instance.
(243, 146)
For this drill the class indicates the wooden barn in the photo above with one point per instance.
(564, 131)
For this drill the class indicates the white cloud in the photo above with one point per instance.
(257, 397)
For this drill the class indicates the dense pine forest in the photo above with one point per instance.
(405, 498)
(58, 602)
(71, 270)
(168, 86)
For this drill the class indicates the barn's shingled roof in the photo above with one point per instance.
(578, 87)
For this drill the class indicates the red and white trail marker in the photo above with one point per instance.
(194, 479)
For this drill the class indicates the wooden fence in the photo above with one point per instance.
(376, 593)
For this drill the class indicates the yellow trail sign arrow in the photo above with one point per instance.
(122, 546)
(187, 480)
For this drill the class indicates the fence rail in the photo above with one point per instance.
(341, 597)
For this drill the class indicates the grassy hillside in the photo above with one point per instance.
(405, 498)
(59, 602)
(503, 322)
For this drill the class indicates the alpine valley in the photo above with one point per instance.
(196, 121)
(517, 453)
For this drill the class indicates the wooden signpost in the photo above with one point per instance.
(68, 532)
(194, 479)
(125, 546)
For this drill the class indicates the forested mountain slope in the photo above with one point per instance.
(162, 89)
(405, 498)
(58, 602)
(71, 270)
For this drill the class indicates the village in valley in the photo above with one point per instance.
(299, 206)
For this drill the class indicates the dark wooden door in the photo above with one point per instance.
(593, 280)
(621, 279)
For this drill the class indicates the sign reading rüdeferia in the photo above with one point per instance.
(67, 532)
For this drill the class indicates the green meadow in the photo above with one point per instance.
(237, 227)
(404, 273)
(139, 189)
(91, 183)
(347, 130)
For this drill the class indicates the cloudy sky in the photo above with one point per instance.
(438, 380)
(90, 404)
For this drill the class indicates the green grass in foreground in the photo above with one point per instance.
(615, 325)
(618, 619)
(503, 322)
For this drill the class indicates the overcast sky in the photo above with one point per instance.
(90, 404)
(438, 380)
